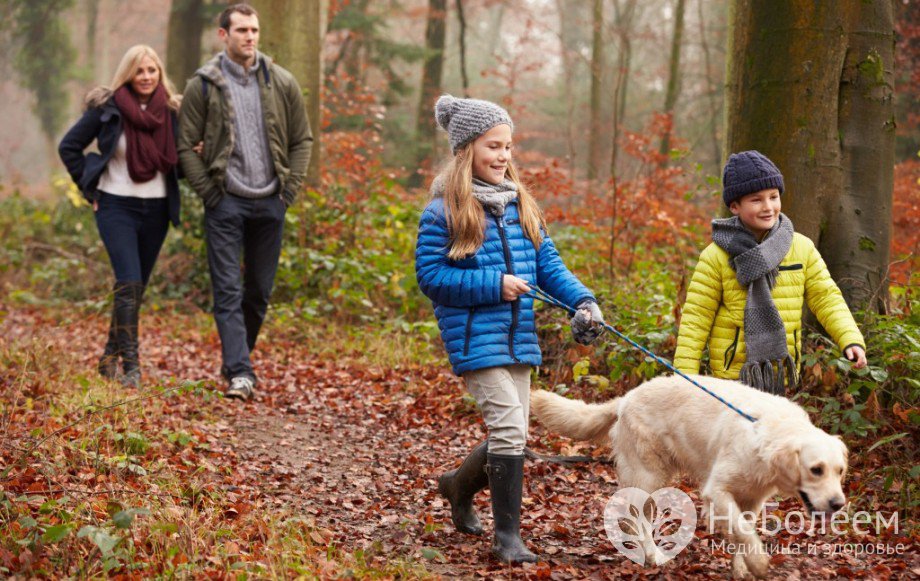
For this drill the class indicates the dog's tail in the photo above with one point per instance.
(574, 418)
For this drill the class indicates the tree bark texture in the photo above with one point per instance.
(809, 84)
(292, 34)
(183, 40)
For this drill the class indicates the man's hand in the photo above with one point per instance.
(513, 287)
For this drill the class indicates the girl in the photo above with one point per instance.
(132, 184)
(482, 242)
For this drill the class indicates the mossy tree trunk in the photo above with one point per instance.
(809, 84)
(292, 34)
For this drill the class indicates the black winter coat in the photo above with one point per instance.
(104, 125)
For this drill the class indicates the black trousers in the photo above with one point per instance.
(133, 230)
(252, 229)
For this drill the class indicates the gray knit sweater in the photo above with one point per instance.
(250, 171)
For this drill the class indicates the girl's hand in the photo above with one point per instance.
(857, 355)
(587, 323)
(95, 205)
(513, 287)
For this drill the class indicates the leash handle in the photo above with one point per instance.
(538, 293)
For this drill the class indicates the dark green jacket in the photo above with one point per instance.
(207, 115)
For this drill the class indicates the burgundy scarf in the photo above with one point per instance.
(148, 133)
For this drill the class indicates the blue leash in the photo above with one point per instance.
(538, 293)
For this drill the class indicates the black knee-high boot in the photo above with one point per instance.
(506, 482)
(460, 485)
(108, 363)
(127, 307)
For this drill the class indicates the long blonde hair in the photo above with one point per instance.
(466, 221)
(125, 72)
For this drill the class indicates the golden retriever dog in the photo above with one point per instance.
(668, 427)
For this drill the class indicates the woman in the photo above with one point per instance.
(132, 184)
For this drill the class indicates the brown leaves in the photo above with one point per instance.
(329, 460)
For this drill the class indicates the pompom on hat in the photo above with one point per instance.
(748, 172)
(466, 119)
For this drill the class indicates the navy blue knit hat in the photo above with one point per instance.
(748, 172)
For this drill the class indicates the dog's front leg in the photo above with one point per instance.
(748, 555)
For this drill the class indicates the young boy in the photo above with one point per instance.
(745, 297)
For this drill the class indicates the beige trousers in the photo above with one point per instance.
(503, 395)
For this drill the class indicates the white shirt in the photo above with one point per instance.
(116, 180)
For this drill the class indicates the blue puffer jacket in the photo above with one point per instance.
(478, 328)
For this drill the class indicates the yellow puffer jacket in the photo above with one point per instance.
(714, 311)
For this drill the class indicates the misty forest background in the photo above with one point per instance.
(624, 113)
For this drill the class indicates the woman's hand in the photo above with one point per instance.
(95, 205)
(513, 287)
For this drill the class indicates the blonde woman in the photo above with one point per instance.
(482, 243)
(132, 184)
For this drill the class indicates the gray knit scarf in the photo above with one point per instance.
(493, 197)
(757, 265)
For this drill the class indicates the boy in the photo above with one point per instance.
(745, 297)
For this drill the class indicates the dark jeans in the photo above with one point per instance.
(133, 230)
(253, 228)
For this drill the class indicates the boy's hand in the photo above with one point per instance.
(513, 287)
(587, 324)
(857, 355)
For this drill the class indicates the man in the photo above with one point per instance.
(250, 115)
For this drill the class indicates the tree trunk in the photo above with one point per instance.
(461, 36)
(857, 250)
(354, 53)
(673, 91)
(292, 34)
(568, 97)
(495, 29)
(712, 91)
(183, 40)
(809, 85)
(597, 69)
(92, 20)
(623, 25)
(425, 127)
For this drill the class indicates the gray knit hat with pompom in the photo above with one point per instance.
(466, 119)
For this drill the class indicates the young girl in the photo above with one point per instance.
(482, 243)
(132, 184)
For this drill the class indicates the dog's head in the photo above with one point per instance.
(812, 464)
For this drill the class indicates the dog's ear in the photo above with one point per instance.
(785, 462)
(845, 450)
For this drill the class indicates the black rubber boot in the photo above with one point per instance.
(506, 481)
(108, 363)
(460, 485)
(127, 307)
